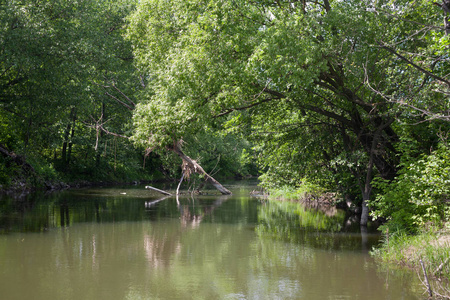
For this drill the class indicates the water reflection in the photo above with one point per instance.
(325, 229)
(132, 246)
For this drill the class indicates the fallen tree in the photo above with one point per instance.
(190, 166)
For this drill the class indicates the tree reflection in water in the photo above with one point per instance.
(322, 227)
(116, 246)
(161, 246)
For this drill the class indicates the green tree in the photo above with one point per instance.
(301, 66)
(60, 64)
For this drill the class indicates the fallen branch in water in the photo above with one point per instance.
(158, 190)
(191, 166)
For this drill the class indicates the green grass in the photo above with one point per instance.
(432, 247)
(306, 190)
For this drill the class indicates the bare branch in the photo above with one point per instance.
(113, 133)
(141, 79)
(125, 96)
(98, 126)
(120, 101)
(130, 107)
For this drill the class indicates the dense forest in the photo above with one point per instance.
(349, 96)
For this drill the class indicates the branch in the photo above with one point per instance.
(277, 95)
(382, 45)
(158, 190)
(112, 133)
(274, 93)
(432, 115)
(141, 79)
(23, 117)
(190, 166)
(244, 107)
(329, 114)
(133, 105)
(6, 70)
(99, 126)
(443, 6)
(387, 13)
(18, 159)
(120, 101)
(125, 96)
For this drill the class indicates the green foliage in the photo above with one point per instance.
(418, 196)
(224, 154)
(304, 90)
(291, 77)
(5, 172)
(65, 65)
(45, 170)
(305, 191)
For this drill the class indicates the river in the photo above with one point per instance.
(130, 243)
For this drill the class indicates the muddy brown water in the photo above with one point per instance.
(129, 243)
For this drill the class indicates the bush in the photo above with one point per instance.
(418, 196)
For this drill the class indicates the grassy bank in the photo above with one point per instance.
(306, 192)
(431, 247)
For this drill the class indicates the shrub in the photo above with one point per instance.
(418, 196)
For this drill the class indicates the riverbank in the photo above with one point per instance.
(23, 187)
(430, 248)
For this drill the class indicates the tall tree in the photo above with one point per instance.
(302, 64)
(53, 57)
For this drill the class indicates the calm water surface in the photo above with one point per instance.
(129, 243)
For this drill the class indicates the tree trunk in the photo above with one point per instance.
(72, 134)
(64, 147)
(366, 189)
(365, 210)
(68, 136)
(195, 167)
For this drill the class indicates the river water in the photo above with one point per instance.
(129, 243)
